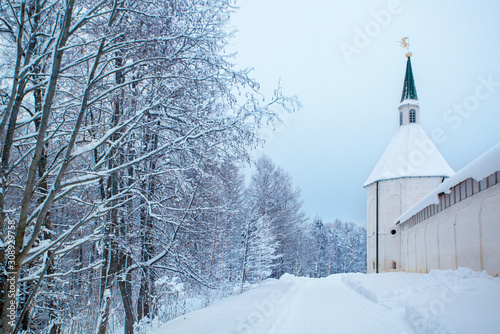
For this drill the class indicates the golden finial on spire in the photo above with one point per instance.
(405, 44)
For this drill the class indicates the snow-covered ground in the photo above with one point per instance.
(455, 301)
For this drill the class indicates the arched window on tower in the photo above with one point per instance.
(400, 118)
(413, 116)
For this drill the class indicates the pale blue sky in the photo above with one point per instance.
(350, 105)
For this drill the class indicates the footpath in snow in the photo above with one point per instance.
(458, 301)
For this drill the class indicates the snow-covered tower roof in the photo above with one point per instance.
(411, 153)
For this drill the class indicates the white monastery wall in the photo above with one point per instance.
(463, 230)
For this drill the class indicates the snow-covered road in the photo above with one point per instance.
(328, 306)
(460, 301)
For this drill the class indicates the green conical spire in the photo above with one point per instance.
(409, 89)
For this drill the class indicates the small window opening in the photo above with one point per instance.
(373, 265)
(400, 118)
(393, 232)
(413, 116)
(393, 265)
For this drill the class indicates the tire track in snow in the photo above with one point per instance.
(284, 316)
(328, 305)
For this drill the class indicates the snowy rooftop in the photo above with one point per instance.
(411, 153)
(409, 101)
(482, 167)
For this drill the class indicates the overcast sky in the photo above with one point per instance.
(343, 60)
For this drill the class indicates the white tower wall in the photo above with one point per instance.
(394, 198)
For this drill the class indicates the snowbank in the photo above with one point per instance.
(253, 309)
(443, 301)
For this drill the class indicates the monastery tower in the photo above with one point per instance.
(410, 168)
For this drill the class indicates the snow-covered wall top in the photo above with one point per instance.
(487, 164)
(411, 153)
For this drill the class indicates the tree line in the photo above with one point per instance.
(123, 128)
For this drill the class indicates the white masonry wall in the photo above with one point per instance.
(465, 234)
(395, 197)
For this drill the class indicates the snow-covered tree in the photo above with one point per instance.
(110, 112)
(260, 247)
(337, 247)
(271, 197)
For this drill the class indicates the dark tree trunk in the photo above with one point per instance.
(112, 230)
(150, 143)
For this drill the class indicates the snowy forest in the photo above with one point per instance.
(125, 128)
